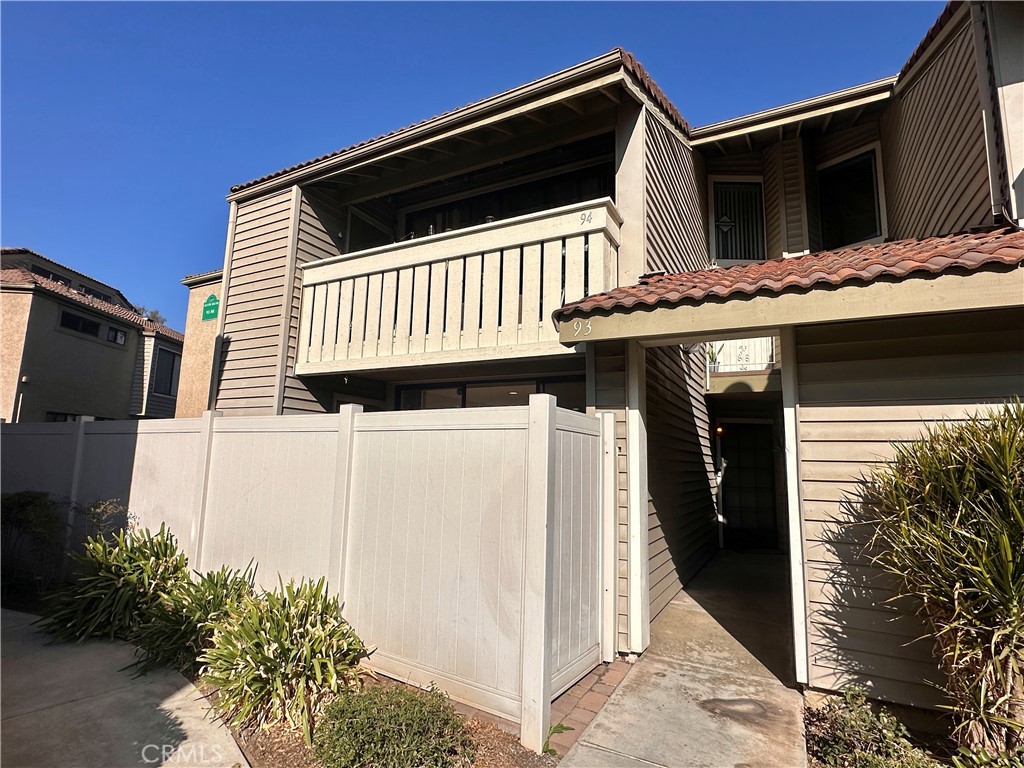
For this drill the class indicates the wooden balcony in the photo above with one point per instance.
(480, 293)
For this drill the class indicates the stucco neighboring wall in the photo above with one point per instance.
(197, 352)
(15, 309)
(70, 372)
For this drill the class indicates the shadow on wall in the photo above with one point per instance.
(680, 471)
(859, 632)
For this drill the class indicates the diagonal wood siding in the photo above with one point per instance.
(682, 530)
(933, 148)
(675, 213)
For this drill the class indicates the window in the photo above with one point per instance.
(848, 200)
(570, 393)
(737, 231)
(80, 324)
(116, 335)
(44, 272)
(165, 377)
(94, 293)
(54, 416)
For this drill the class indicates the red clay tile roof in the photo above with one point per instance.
(898, 260)
(21, 276)
(6, 251)
(628, 61)
(929, 37)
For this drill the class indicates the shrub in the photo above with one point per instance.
(949, 511)
(178, 626)
(277, 657)
(847, 733)
(122, 577)
(30, 517)
(392, 727)
(981, 758)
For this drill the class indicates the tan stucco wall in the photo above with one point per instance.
(15, 308)
(73, 373)
(197, 355)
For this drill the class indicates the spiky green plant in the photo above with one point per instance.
(278, 657)
(949, 516)
(179, 626)
(121, 577)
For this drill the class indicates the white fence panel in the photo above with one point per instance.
(38, 457)
(271, 496)
(435, 548)
(576, 610)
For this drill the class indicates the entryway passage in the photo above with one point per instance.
(707, 692)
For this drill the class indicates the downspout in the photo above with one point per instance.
(995, 154)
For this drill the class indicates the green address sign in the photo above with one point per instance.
(211, 307)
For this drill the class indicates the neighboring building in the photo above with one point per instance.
(422, 269)
(73, 346)
(201, 324)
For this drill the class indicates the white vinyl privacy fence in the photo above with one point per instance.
(473, 548)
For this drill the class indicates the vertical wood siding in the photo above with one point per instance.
(933, 148)
(793, 195)
(773, 212)
(253, 306)
(861, 386)
(610, 395)
(675, 216)
(681, 508)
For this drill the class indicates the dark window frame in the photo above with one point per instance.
(871, 153)
(538, 381)
(72, 321)
(175, 372)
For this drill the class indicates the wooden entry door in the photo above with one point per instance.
(748, 486)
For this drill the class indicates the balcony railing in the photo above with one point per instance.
(738, 355)
(478, 293)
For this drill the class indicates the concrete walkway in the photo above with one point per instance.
(70, 704)
(702, 695)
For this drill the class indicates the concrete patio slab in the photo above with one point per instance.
(699, 697)
(73, 704)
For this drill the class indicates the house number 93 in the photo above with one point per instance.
(581, 327)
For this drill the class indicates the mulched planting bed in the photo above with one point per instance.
(281, 748)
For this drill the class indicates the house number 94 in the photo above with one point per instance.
(587, 217)
(581, 327)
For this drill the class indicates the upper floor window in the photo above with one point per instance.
(165, 376)
(44, 272)
(737, 228)
(74, 322)
(95, 294)
(116, 335)
(849, 201)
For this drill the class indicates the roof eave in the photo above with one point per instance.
(608, 62)
(848, 98)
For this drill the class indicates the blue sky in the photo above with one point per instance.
(124, 124)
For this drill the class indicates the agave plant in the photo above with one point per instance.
(949, 515)
(121, 578)
(278, 657)
(179, 626)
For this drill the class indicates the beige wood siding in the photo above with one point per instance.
(862, 385)
(257, 270)
(933, 148)
(318, 237)
(773, 212)
(675, 216)
(747, 164)
(811, 208)
(793, 196)
(610, 394)
(681, 509)
(835, 144)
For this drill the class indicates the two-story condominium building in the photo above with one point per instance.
(73, 346)
(422, 269)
